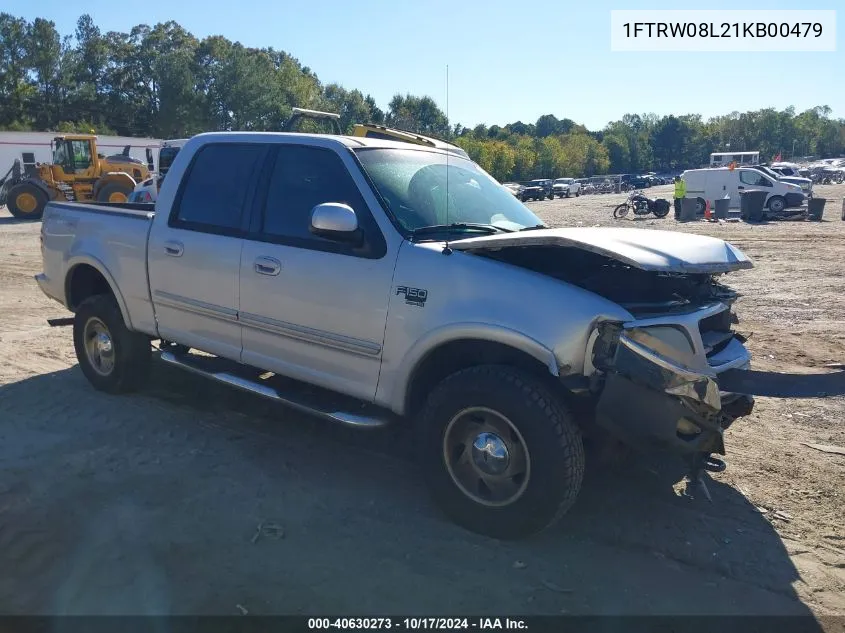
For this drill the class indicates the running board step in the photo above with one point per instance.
(354, 413)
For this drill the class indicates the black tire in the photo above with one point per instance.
(776, 204)
(700, 206)
(620, 211)
(130, 351)
(108, 190)
(577, 193)
(661, 208)
(544, 428)
(29, 192)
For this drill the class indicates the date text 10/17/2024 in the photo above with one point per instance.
(417, 624)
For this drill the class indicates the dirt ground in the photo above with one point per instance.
(192, 499)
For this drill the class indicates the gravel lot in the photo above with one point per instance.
(193, 499)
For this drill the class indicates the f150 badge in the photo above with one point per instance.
(413, 296)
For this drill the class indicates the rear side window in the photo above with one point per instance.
(214, 195)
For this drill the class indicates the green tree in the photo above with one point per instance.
(618, 153)
(417, 114)
(15, 91)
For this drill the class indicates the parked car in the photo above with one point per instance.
(241, 256)
(806, 184)
(147, 191)
(515, 188)
(717, 182)
(546, 185)
(565, 187)
(533, 190)
(787, 169)
(640, 182)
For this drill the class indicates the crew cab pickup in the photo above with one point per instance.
(565, 187)
(370, 281)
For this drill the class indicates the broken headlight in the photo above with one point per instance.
(669, 341)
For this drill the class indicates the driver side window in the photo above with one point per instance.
(754, 178)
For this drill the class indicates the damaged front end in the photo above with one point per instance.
(657, 380)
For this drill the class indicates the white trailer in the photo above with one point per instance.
(34, 147)
(723, 159)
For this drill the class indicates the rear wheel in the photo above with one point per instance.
(113, 358)
(620, 211)
(114, 192)
(661, 208)
(26, 201)
(500, 454)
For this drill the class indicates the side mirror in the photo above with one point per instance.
(336, 221)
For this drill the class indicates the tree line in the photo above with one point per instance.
(163, 82)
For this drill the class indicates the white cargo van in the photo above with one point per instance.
(716, 183)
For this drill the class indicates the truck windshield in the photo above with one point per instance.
(427, 188)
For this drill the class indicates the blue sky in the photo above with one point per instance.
(508, 60)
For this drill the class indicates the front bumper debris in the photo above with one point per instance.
(651, 402)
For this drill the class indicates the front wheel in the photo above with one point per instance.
(620, 211)
(577, 193)
(113, 358)
(500, 454)
(777, 204)
(25, 201)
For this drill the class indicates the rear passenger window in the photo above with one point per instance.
(302, 178)
(214, 194)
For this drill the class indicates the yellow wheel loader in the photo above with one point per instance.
(78, 173)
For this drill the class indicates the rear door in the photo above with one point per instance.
(194, 257)
(312, 308)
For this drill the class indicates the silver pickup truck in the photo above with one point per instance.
(370, 281)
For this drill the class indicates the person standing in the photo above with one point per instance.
(680, 193)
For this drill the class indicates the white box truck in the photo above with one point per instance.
(716, 183)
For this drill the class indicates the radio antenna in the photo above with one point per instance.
(446, 249)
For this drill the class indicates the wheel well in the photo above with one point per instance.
(457, 355)
(85, 281)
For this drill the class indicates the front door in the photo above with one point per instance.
(750, 179)
(312, 308)
(194, 257)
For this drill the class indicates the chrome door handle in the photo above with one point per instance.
(267, 266)
(174, 249)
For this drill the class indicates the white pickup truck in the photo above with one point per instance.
(370, 281)
(565, 187)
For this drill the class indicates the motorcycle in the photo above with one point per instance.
(641, 205)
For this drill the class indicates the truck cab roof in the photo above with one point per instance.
(352, 142)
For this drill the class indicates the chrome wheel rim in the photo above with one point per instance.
(99, 347)
(486, 457)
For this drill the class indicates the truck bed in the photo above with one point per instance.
(141, 210)
(108, 237)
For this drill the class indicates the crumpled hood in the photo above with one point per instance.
(659, 251)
